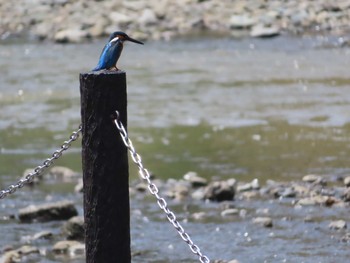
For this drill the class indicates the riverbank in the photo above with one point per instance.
(317, 204)
(78, 20)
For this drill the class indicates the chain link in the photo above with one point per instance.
(40, 168)
(143, 172)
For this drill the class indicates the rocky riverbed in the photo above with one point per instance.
(229, 201)
(78, 20)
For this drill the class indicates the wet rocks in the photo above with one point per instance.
(337, 224)
(263, 221)
(72, 248)
(195, 180)
(221, 190)
(16, 255)
(347, 181)
(73, 229)
(48, 212)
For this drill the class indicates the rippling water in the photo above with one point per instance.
(275, 109)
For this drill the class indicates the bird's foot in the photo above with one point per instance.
(114, 69)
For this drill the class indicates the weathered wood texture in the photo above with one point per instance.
(105, 168)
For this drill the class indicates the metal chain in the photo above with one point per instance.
(40, 168)
(154, 191)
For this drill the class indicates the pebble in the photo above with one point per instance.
(69, 247)
(347, 181)
(195, 180)
(337, 224)
(62, 172)
(264, 31)
(312, 178)
(263, 221)
(230, 212)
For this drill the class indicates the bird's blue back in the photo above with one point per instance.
(109, 56)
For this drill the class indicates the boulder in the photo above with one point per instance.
(47, 212)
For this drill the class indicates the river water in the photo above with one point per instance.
(268, 109)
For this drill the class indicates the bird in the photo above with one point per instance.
(112, 50)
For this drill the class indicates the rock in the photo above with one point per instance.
(195, 180)
(312, 178)
(72, 248)
(147, 18)
(198, 194)
(62, 172)
(179, 190)
(338, 224)
(12, 256)
(42, 235)
(241, 21)
(230, 212)
(317, 200)
(199, 215)
(253, 185)
(36, 178)
(74, 229)
(347, 181)
(26, 250)
(79, 187)
(70, 36)
(264, 31)
(47, 212)
(346, 195)
(264, 221)
(221, 190)
(120, 19)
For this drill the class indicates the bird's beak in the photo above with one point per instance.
(133, 40)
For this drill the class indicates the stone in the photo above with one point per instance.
(195, 180)
(221, 190)
(70, 36)
(312, 178)
(74, 229)
(346, 195)
(263, 221)
(120, 19)
(253, 185)
(42, 235)
(147, 18)
(317, 200)
(230, 212)
(69, 247)
(11, 256)
(79, 187)
(337, 224)
(262, 31)
(241, 21)
(26, 250)
(347, 181)
(47, 212)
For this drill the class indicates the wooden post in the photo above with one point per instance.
(105, 168)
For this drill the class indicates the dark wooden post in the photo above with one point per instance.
(105, 168)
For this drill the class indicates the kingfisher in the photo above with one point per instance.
(112, 50)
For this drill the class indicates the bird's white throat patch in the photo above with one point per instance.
(114, 40)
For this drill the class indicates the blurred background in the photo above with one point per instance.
(242, 89)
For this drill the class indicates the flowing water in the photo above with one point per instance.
(268, 109)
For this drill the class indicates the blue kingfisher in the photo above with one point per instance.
(112, 50)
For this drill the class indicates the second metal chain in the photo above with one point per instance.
(154, 191)
(40, 168)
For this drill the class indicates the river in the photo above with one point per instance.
(244, 108)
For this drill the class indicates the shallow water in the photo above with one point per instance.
(267, 109)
